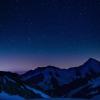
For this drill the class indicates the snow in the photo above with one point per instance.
(38, 92)
(76, 90)
(61, 99)
(95, 82)
(5, 96)
(10, 79)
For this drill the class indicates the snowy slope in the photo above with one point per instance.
(43, 95)
(5, 96)
(10, 83)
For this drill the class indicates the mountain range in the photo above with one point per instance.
(53, 82)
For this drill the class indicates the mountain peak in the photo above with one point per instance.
(92, 60)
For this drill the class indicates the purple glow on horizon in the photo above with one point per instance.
(24, 63)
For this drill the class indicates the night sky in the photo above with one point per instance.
(34, 33)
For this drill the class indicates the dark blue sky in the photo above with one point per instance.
(35, 33)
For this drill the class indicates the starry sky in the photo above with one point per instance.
(63, 33)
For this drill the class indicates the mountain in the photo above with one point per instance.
(52, 82)
(73, 82)
(92, 66)
(45, 75)
(11, 84)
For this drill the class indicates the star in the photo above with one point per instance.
(29, 39)
(81, 13)
(17, 1)
(28, 21)
(31, 23)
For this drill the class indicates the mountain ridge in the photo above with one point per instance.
(89, 63)
(90, 60)
(50, 78)
(47, 82)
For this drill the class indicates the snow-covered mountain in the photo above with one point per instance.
(11, 84)
(72, 82)
(45, 75)
(52, 82)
